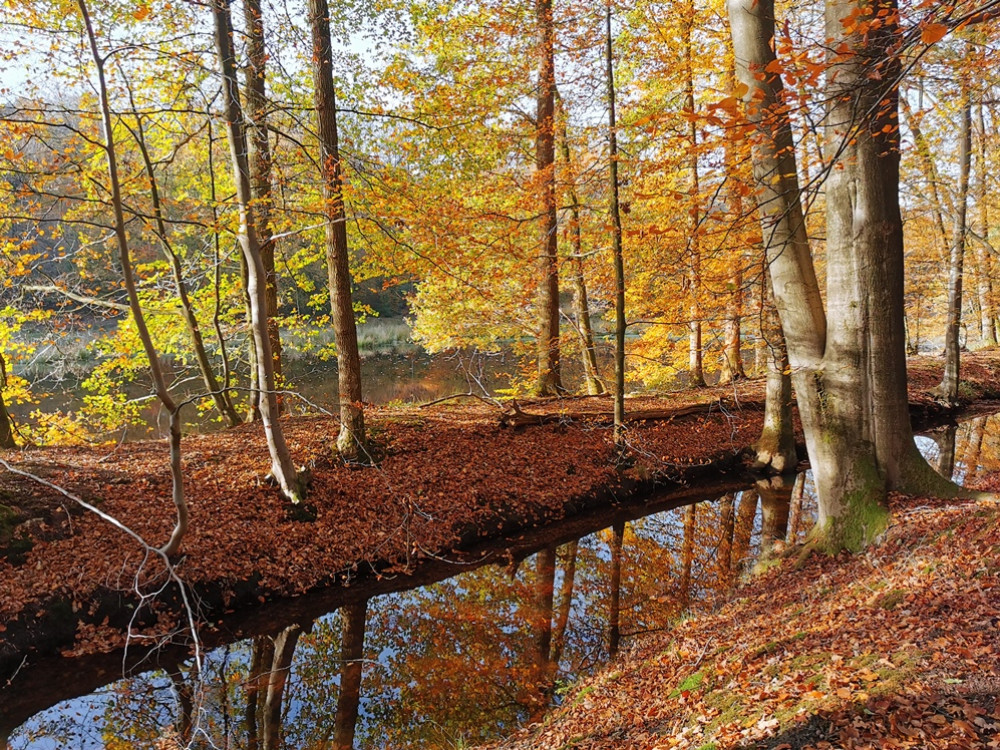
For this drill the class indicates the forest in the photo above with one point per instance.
(297, 294)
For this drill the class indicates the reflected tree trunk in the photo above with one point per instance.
(261, 657)
(687, 553)
(745, 514)
(615, 603)
(974, 449)
(184, 695)
(565, 603)
(544, 595)
(727, 525)
(775, 502)
(795, 513)
(277, 679)
(352, 648)
(945, 439)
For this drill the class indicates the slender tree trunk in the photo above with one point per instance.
(124, 258)
(727, 527)
(745, 514)
(259, 162)
(351, 655)
(581, 306)
(615, 605)
(616, 241)
(6, 424)
(282, 468)
(986, 259)
(926, 155)
(696, 370)
(732, 354)
(795, 512)
(974, 448)
(549, 382)
(351, 441)
(776, 445)
(258, 675)
(219, 395)
(948, 390)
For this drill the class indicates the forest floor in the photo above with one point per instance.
(894, 648)
(448, 476)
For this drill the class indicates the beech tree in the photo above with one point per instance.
(848, 356)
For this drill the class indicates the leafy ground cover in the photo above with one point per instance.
(895, 648)
(448, 475)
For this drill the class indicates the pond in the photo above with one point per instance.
(488, 642)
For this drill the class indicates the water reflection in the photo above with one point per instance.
(469, 658)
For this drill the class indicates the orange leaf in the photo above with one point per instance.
(933, 32)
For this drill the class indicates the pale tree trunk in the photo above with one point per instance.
(615, 599)
(351, 440)
(945, 439)
(926, 158)
(746, 511)
(258, 674)
(795, 512)
(947, 391)
(696, 370)
(616, 242)
(352, 648)
(125, 259)
(281, 666)
(549, 382)
(776, 445)
(259, 162)
(282, 468)
(974, 448)
(849, 364)
(581, 305)
(732, 354)
(986, 259)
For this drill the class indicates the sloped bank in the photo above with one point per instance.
(451, 478)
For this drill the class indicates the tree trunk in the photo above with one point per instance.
(727, 527)
(124, 258)
(687, 553)
(776, 445)
(945, 439)
(281, 666)
(696, 370)
(581, 306)
(986, 259)
(282, 468)
(745, 514)
(549, 382)
(352, 651)
(544, 600)
(6, 425)
(775, 503)
(849, 364)
(569, 551)
(259, 162)
(795, 512)
(351, 441)
(948, 390)
(616, 242)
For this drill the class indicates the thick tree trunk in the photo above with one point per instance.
(282, 468)
(948, 390)
(849, 365)
(352, 648)
(775, 502)
(351, 441)
(549, 382)
(945, 440)
(259, 162)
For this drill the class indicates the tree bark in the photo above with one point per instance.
(544, 601)
(569, 551)
(615, 599)
(549, 381)
(775, 502)
(727, 527)
(776, 446)
(271, 712)
(351, 440)
(282, 468)
(696, 370)
(687, 553)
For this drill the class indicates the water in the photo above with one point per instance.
(454, 662)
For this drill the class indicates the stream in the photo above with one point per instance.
(462, 652)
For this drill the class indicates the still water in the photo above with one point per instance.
(461, 660)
